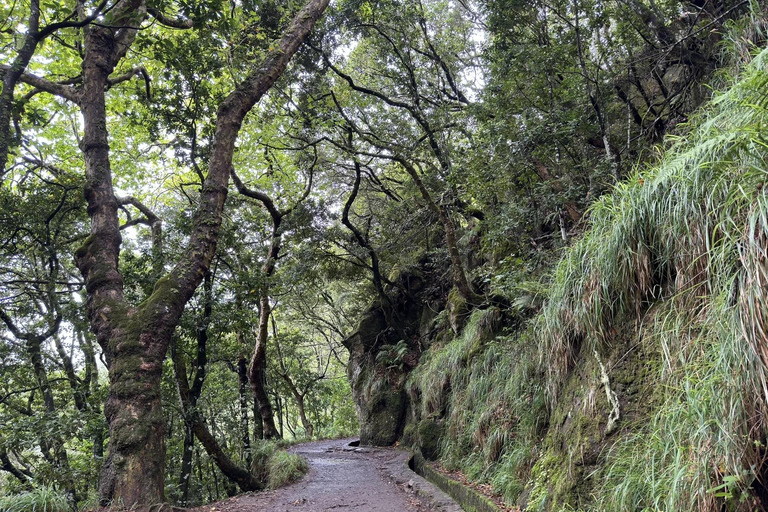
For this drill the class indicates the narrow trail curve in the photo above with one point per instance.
(340, 478)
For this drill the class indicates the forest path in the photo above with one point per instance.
(343, 478)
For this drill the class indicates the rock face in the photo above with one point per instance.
(382, 355)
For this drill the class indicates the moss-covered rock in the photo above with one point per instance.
(430, 433)
(458, 310)
(582, 427)
(381, 411)
(409, 435)
(384, 349)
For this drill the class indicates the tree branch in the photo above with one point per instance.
(63, 91)
(177, 23)
(139, 70)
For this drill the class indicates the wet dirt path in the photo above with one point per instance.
(341, 478)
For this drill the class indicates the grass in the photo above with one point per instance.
(285, 468)
(486, 387)
(41, 499)
(692, 235)
(688, 237)
(274, 466)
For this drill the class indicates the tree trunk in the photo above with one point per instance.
(135, 340)
(185, 474)
(258, 424)
(364, 242)
(257, 373)
(242, 477)
(245, 435)
(55, 442)
(280, 418)
(299, 397)
(457, 267)
(6, 465)
(309, 428)
(91, 384)
(195, 422)
(11, 78)
(133, 473)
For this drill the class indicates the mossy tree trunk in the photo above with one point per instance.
(135, 339)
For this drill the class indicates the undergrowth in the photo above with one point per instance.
(274, 466)
(688, 237)
(285, 468)
(487, 389)
(41, 499)
(692, 234)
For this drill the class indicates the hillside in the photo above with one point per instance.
(640, 383)
(525, 238)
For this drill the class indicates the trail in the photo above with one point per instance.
(343, 478)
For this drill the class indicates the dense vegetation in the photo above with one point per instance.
(531, 228)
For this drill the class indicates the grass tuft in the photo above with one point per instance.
(41, 499)
(285, 468)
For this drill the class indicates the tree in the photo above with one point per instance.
(257, 368)
(412, 115)
(135, 338)
(58, 374)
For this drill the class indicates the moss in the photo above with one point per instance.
(457, 309)
(82, 251)
(430, 433)
(385, 409)
(550, 482)
(575, 448)
(165, 289)
(130, 428)
(409, 435)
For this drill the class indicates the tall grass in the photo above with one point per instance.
(487, 389)
(274, 466)
(285, 468)
(692, 234)
(41, 499)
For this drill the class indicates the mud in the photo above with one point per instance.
(342, 478)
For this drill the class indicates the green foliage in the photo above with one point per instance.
(285, 468)
(487, 387)
(41, 499)
(393, 356)
(691, 233)
(506, 135)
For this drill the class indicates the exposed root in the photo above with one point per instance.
(613, 399)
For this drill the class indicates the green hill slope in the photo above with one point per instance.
(642, 384)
